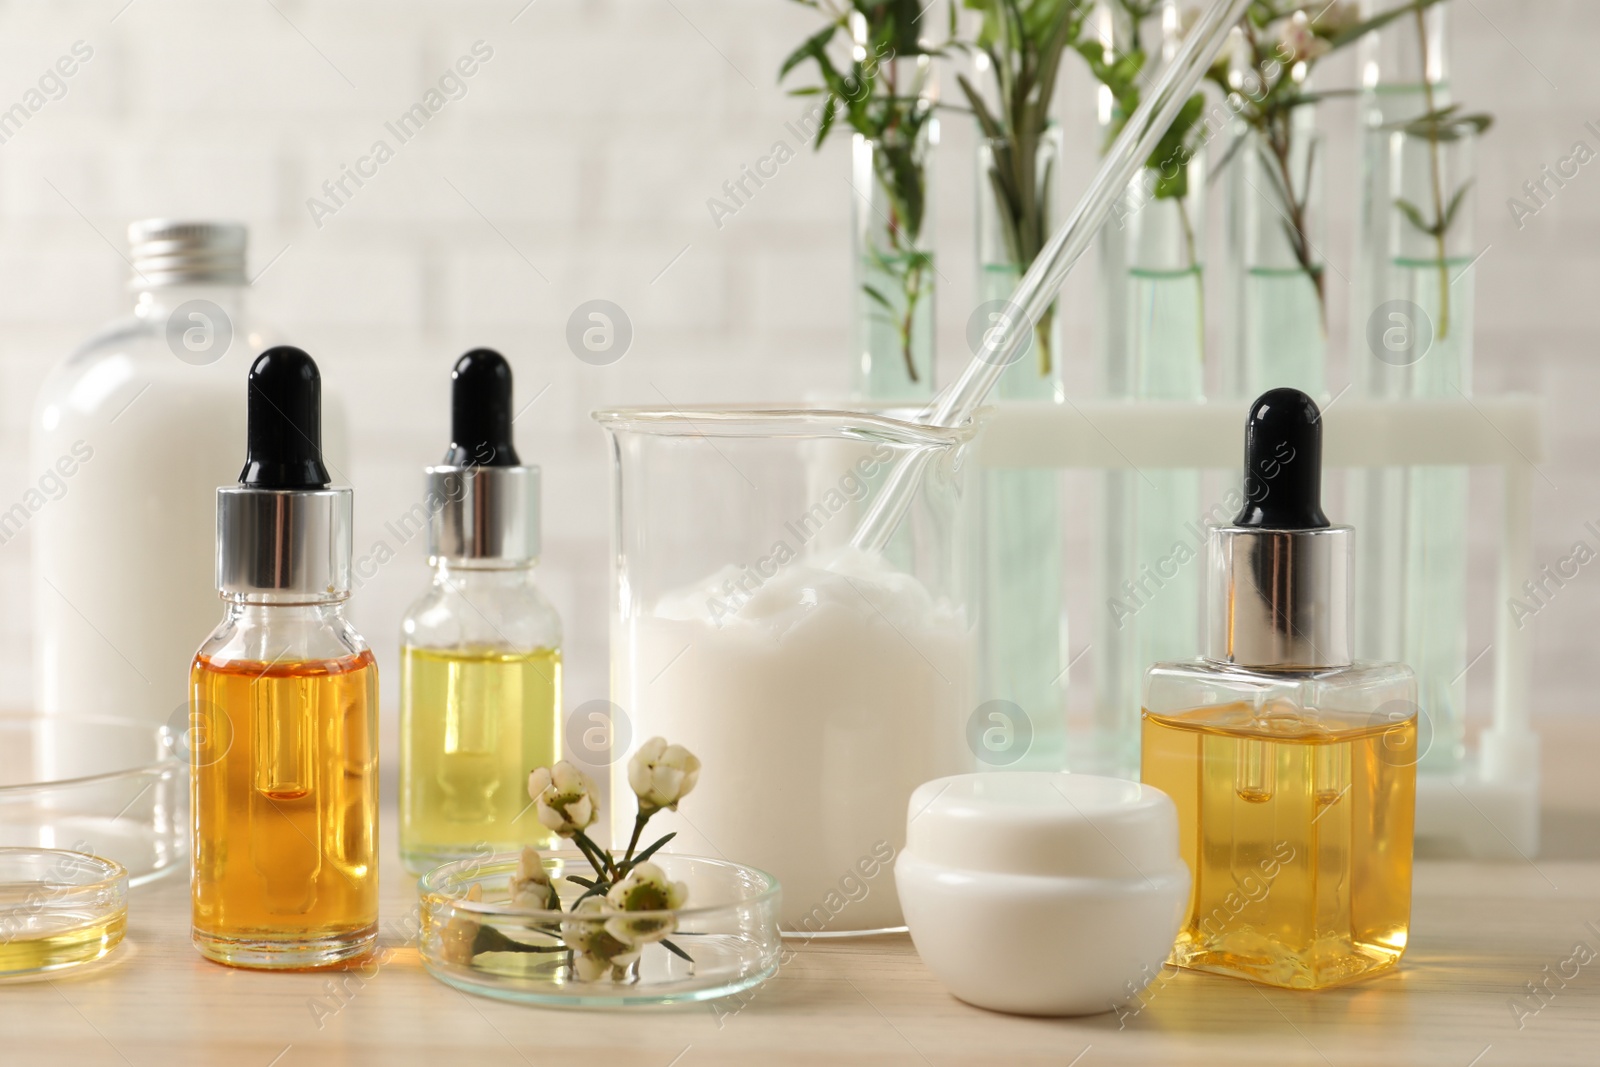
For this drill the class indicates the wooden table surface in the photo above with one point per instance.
(1480, 934)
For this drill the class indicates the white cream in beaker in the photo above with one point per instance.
(816, 702)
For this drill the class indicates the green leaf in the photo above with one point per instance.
(1057, 35)
(980, 110)
(1005, 197)
(830, 111)
(1269, 167)
(877, 297)
(1311, 166)
(489, 939)
(1175, 187)
(1377, 22)
(1420, 123)
(1093, 53)
(1454, 206)
(651, 851)
(1317, 95)
(812, 47)
(676, 951)
(1227, 156)
(903, 25)
(1444, 125)
(1412, 214)
(1171, 149)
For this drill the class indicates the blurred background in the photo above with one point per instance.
(577, 165)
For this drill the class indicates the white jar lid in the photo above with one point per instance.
(1044, 823)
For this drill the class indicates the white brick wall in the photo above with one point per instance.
(590, 142)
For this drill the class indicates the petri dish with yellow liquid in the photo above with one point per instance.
(58, 910)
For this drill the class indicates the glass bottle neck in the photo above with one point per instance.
(152, 302)
(258, 609)
(460, 570)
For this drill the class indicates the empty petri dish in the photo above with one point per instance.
(58, 910)
(102, 786)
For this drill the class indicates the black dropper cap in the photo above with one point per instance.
(284, 412)
(1283, 463)
(480, 412)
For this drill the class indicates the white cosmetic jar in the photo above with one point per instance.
(1041, 893)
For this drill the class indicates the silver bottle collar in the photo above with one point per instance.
(1280, 599)
(288, 543)
(487, 513)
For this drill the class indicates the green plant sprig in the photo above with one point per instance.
(1121, 71)
(1438, 125)
(1278, 75)
(1024, 41)
(865, 92)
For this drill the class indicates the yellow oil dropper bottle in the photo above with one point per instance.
(480, 683)
(1293, 768)
(284, 700)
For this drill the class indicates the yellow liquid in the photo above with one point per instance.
(473, 723)
(285, 790)
(1298, 834)
(70, 944)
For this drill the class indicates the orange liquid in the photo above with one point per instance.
(1298, 834)
(285, 800)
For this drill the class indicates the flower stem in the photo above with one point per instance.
(1194, 265)
(596, 856)
(638, 828)
(1042, 333)
(488, 939)
(1438, 184)
(1297, 209)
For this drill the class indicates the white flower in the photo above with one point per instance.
(587, 967)
(662, 774)
(1232, 54)
(1296, 42)
(459, 934)
(579, 932)
(530, 886)
(565, 798)
(647, 889)
(595, 952)
(1336, 18)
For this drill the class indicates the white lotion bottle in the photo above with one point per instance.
(138, 427)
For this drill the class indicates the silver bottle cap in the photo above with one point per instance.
(178, 252)
(483, 513)
(1280, 599)
(283, 544)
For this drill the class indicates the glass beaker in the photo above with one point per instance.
(817, 683)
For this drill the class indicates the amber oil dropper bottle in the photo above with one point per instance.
(1293, 767)
(284, 699)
